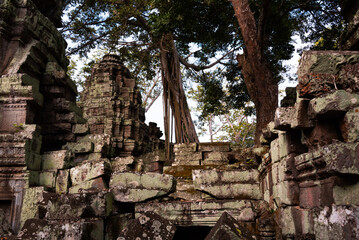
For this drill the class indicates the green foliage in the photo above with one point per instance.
(217, 117)
(329, 38)
(133, 29)
(18, 127)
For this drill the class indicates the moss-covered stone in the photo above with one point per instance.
(56, 160)
(202, 213)
(62, 181)
(333, 105)
(136, 187)
(32, 197)
(89, 169)
(47, 179)
(93, 185)
(350, 126)
(320, 72)
(235, 184)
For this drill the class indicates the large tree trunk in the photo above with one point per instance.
(174, 96)
(259, 80)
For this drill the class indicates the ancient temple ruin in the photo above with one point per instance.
(94, 170)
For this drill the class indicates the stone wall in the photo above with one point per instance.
(37, 98)
(312, 176)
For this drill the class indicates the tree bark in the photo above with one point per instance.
(173, 94)
(262, 87)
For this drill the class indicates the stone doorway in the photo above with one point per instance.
(193, 232)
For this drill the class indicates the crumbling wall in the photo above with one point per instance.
(312, 176)
(37, 98)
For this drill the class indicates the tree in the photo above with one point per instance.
(120, 20)
(155, 29)
(222, 123)
(259, 29)
(159, 33)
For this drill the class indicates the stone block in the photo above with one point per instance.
(116, 224)
(337, 222)
(91, 229)
(290, 143)
(283, 118)
(137, 187)
(278, 172)
(214, 147)
(260, 151)
(148, 226)
(269, 133)
(47, 179)
(275, 150)
(310, 194)
(32, 197)
(350, 126)
(88, 170)
(232, 191)
(94, 156)
(290, 97)
(340, 158)
(185, 190)
(34, 178)
(56, 160)
(333, 105)
(346, 195)
(80, 147)
(183, 172)
(231, 184)
(62, 181)
(324, 133)
(93, 185)
(32, 160)
(211, 177)
(99, 141)
(228, 228)
(286, 193)
(123, 164)
(80, 129)
(187, 159)
(215, 158)
(185, 147)
(76, 206)
(300, 119)
(202, 213)
(319, 72)
(296, 222)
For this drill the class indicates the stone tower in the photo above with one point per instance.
(111, 103)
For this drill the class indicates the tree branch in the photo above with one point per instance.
(153, 100)
(150, 91)
(199, 68)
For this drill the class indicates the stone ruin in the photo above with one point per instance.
(95, 170)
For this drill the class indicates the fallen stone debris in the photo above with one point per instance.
(94, 170)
